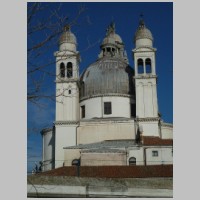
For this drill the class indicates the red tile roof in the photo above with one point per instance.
(149, 140)
(113, 171)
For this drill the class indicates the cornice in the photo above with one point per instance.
(67, 80)
(147, 119)
(95, 122)
(66, 53)
(141, 47)
(45, 130)
(167, 125)
(66, 123)
(106, 95)
(145, 76)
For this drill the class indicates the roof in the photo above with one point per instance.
(108, 75)
(115, 145)
(143, 32)
(109, 144)
(149, 140)
(67, 36)
(108, 119)
(103, 150)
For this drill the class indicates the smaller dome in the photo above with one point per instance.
(143, 32)
(67, 37)
(117, 38)
(112, 38)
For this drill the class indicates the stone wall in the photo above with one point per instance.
(70, 187)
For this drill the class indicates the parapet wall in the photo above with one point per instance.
(166, 131)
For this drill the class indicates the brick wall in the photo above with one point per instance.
(114, 171)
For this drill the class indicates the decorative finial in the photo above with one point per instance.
(141, 23)
(67, 27)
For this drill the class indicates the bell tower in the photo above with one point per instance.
(145, 78)
(67, 94)
(145, 73)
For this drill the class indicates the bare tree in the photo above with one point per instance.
(44, 25)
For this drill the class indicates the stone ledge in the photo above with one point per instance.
(96, 187)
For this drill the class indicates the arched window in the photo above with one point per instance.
(132, 161)
(108, 49)
(62, 70)
(76, 162)
(69, 70)
(140, 66)
(148, 65)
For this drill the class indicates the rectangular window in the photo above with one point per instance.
(82, 111)
(107, 108)
(155, 153)
(133, 110)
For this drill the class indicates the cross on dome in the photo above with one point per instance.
(141, 22)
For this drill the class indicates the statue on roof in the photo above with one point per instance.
(110, 29)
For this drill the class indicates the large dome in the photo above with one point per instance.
(107, 76)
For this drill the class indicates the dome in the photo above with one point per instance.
(143, 32)
(112, 39)
(117, 38)
(111, 36)
(107, 76)
(68, 37)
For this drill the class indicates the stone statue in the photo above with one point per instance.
(111, 28)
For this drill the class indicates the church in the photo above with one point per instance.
(108, 115)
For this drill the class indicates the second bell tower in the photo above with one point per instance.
(145, 81)
(145, 73)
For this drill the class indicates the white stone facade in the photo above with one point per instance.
(65, 136)
(164, 155)
(96, 131)
(48, 149)
(109, 102)
(103, 159)
(146, 96)
(94, 107)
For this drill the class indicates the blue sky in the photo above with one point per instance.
(91, 28)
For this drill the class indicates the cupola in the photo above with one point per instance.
(143, 36)
(67, 40)
(112, 45)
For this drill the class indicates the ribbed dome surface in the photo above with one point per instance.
(107, 76)
(143, 32)
(68, 37)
